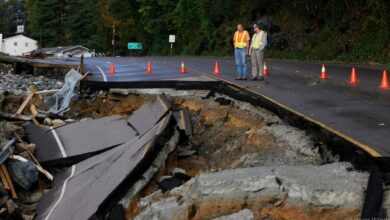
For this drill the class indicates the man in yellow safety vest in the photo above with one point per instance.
(241, 49)
(259, 42)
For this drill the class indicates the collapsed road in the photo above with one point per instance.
(204, 150)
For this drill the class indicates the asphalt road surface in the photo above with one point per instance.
(361, 112)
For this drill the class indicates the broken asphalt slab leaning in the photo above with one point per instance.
(108, 166)
(77, 141)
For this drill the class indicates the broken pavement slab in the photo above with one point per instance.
(80, 140)
(146, 116)
(272, 192)
(79, 192)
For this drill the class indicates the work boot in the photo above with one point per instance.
(253, 78)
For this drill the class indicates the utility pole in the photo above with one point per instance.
(40, 38)
(113, 40)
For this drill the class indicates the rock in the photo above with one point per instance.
(223, 101)
(24, 174)
(58, 122)
(48, 122)
(244, 180)
(193, 165)
(244, 214)
(86, 119)
(27, 217)
(311, 184)
(168, 183)
(185, 153)
(70, 120)
(178, 170)
(304, 192)
(296, 139)
(12, 210)
(11, 206)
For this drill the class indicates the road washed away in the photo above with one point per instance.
(164, 154)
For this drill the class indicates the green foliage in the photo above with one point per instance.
(344, 30)
(10, 11)
(6, 24)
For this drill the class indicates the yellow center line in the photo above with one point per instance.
(365, 147)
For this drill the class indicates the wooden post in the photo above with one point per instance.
(81, 68)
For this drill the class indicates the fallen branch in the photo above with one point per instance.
(26, 101)
(9, 181)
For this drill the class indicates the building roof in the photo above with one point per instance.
(18, 36)
(53, 50)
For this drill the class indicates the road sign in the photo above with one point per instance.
(134, 46)
(172, 38)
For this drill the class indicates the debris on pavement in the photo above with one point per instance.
(59, 102)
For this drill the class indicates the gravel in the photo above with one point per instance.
(21, 84)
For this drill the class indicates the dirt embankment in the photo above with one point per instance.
(246, 164)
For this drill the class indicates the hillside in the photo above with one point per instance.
(342, 30)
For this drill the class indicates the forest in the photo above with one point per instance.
(340, 30)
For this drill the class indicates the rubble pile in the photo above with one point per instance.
(20, 84)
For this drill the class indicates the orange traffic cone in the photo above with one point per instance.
(323, 72)
(216, 68)
(354, 79)
(112, 68)
(149, 67)
(265, 71)
(385, 81)
(183, 68)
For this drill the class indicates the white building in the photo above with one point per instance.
(17, 45)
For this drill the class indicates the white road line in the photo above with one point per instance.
(62, 149)
(103, 74)
(62, 192)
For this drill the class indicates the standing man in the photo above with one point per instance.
(241, 49)
(259, 42)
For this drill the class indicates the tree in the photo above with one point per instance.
(46, 19)
(81, 25)
(10, 11)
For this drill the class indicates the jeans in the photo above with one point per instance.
(257, 63)
(240, 56)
